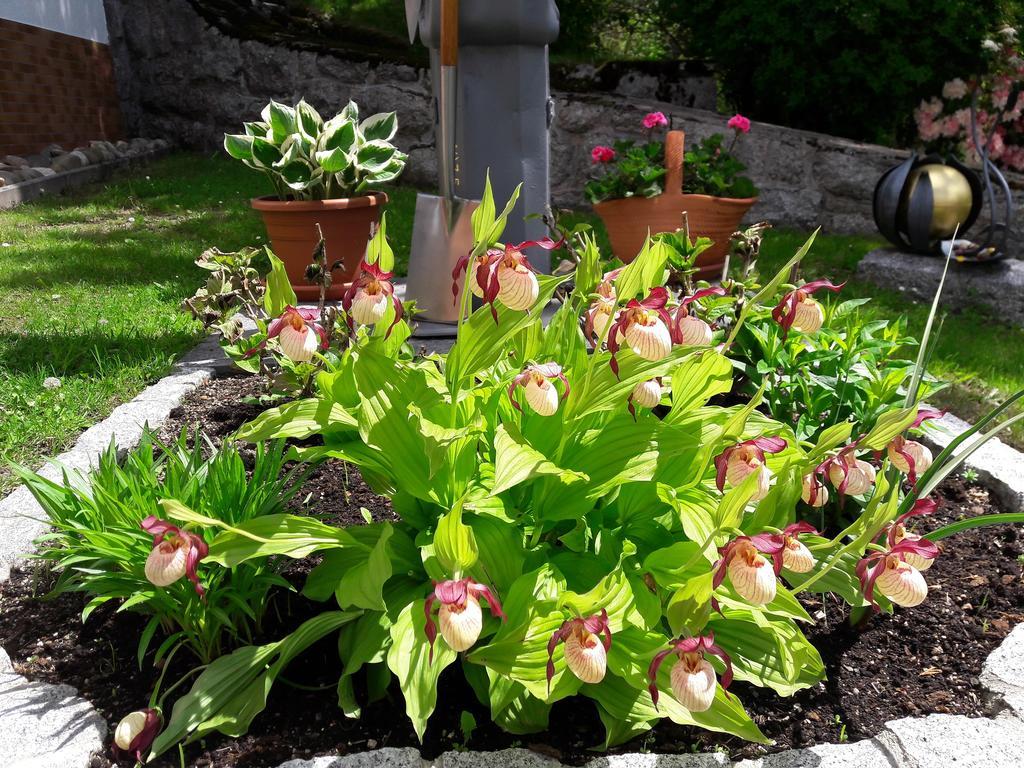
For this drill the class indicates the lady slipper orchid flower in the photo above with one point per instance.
(478, 267)
(814, 491)
(644, 326)
(587, 642)
(894, 577)
(459, 614)
(798, 310)
(646, 394)
(298, 333)
(688, 330)
(910, 456)
(734, 464)
(175, 553)
(599, 314)
(505, 275)
(366, 299)
(693, 678)
(850, 476)
(537, 383)
(136, 732)
(796, 557)
(898, 532)
(753, 577)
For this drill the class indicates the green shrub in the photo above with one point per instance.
(99, 547)
(848, 68)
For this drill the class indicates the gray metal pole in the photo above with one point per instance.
(504, 104)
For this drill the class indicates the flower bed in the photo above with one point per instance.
(924, 660)
(607, 522)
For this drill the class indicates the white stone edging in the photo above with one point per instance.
(50, 726)
(1000, 467)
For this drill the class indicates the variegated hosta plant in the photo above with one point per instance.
(576, 520)
(307, 158)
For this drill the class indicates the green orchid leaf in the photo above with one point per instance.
(409, 660)
(455, 543)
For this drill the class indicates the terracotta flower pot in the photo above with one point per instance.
(628, 220)
(346, 224)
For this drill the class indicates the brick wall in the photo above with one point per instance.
(54, 88)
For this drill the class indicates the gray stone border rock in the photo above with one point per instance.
(1000, 467)
(51, 182)
(50, 726)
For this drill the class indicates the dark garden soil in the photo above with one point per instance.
(919, 661)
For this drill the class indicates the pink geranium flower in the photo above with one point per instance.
(655, 120)
(739, 123)
(602, 154)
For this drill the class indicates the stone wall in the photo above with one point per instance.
(181, 79)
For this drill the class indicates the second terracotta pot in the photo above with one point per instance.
(346, 224)
(629, 220)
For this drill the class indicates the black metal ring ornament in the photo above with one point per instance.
(904, 202)
(904, 213)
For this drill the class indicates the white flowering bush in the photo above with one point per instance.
(944, 123)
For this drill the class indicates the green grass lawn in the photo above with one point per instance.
(90, 288)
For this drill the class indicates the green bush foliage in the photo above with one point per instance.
(101, 550)
(851, 68)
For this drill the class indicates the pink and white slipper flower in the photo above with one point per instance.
(898, 532)
(367, 297)
(599, 314)
(538, 386)
(175, 553)
(478, 267)
(751, 575)
(136, 732)
(646, 394)
(693, 679)
(849, 475)
(459, 614)
(506, 275)
(298, 334)
(644, 326)
(688, 330)
(894, 577)
(735, 463)
(796, 557)
(799, 311)
(910, 456)
(814, 491)
(587, 642)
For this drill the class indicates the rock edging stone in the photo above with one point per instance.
(75, 168)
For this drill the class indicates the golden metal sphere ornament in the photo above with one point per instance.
(952, 198)
(920, 203)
